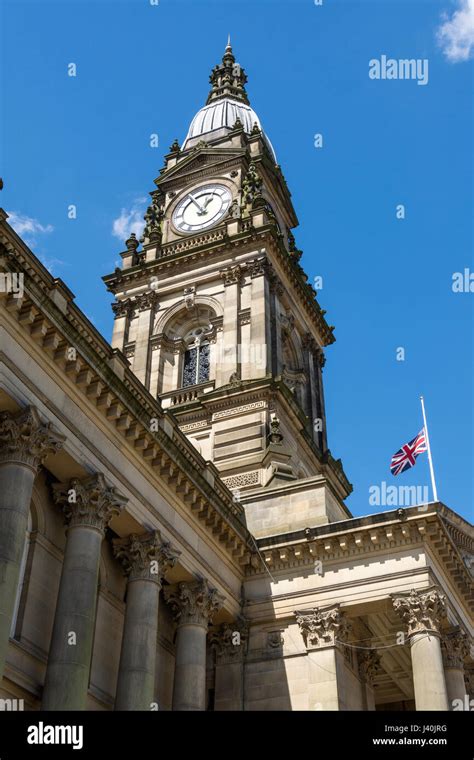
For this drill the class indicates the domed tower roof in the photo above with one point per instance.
(227, 102)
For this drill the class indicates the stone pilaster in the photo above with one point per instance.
(422, 612)
(193, 606)
(229, 643)
(25, 442)
(455, 648)
(89, 505)
(145, 559)
(324, 631)
(368, 661)
(229, 364)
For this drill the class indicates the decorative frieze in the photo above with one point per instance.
(242, 480)
(194, 602)
(145, 557)
(323, 627)
(88, 502)
(25, 439)
(237, 410)
(421, 611)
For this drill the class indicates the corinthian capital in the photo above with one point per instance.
(88, 502)
(230, 640)
(145, 557)
(323, 627)
(455, 647)
(369, 664)
(25, 439)
(421, 611)
(193, 602)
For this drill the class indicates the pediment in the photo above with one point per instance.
(203, 160)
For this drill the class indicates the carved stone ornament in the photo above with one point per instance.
(232, 275)
(230, 640)
(275, 640)
(153, 219)
(257, 267)
(276, 435)
(88, 502)
(122, 308)
(193, 602)
(368, 661)
(25, 439)
(189, 296)
(145, 557)
(147, 300)
(323, 627)
(252, 187)
(455, 647)
(421, 611)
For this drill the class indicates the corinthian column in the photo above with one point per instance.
(422, 612)
(193, 605)
(324, 630)
(88, 505)
(24, 444)
(368, 661)
(455, 648)
(145, 559)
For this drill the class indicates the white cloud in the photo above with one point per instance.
(130, 220)
(27, 228)
(456, 34)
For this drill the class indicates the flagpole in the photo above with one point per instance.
(428, 447)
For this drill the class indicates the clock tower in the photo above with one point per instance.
(217, 319)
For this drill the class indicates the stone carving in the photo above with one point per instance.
(153, 219)
(455, 647)
(422, 610)
(323, 627)
(147, 301)
(245, 479)
(234, 210)
(132, 243)
(193, 602)
(122, 308)
(25, 439)
(257, 267)
(88, 501)
(252, 187)
(368, 661)
(189, 296)
(232, 275)
(239, 410)
(230, 640)
(275, 640)
(469, 681)
(293, 251)
(276, 435)
(145, 557)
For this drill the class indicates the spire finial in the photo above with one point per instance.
(228, 78)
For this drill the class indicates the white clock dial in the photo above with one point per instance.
(202, 208)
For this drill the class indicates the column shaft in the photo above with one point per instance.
(189, 690)
(16, 485)
(67, 675)
(428, 673)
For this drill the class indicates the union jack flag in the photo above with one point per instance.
(406, 456)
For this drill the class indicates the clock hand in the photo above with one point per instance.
(196, 203)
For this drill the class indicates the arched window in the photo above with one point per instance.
(196, 362)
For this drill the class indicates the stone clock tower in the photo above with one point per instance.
(217, 319)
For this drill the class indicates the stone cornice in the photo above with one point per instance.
(102, 374)
(362, 536)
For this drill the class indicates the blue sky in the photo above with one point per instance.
(387, 282)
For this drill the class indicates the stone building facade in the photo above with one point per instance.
(173, 532)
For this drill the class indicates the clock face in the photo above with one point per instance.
(202, 208)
